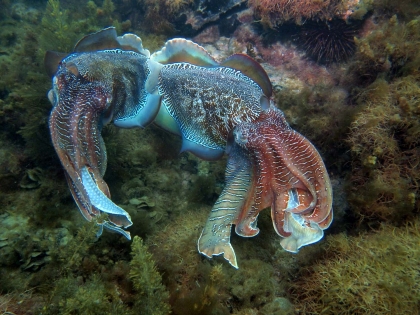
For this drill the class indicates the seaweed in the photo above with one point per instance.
(195, 286)
(376, 273)
(61, 28)
(275, 12)
(71, 296)
(388, 51)
(71, 256)
(256, 290)
(56, 27)
(152, 297)
(160, 14)
(384, 143)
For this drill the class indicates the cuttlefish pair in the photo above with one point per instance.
(217, 108)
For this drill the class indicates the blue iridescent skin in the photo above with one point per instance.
(216, 108)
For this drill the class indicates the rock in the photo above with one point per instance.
(210, 11)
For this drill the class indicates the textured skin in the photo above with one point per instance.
(218, 98)
(268, 162)
(215, 109)
(86, 88)
(75, 134)
(121, 73)
(215, 237)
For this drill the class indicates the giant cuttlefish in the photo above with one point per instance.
(216, 108)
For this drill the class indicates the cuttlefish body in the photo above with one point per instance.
(215, 107)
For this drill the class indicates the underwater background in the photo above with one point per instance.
(347, 76)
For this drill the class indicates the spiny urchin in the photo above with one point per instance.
(328, 41)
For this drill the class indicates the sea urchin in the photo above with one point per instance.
(328, 41)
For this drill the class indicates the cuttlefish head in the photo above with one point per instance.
(82, 103)
(80, 107)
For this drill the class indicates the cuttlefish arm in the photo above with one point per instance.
(270, 164)
(215, 237)
(74, 127)
(290, 176)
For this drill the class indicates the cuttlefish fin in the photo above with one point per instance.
(52, 60)
(134, 43)
(107, 39)
(251, 69)
(183, 50)
(152, 80)
(104, 39)
(215, 237)
(164, 120)
(101, 40)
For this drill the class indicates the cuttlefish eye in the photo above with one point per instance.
(53, 93)
(52, 97)
(73, 68)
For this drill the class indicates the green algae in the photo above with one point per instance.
(375, 273)
(159, 15)
(56, 26)
(152, 295)
(384, 135)
(91, 297)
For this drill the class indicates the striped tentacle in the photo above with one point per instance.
(289, 175)
(215, 238)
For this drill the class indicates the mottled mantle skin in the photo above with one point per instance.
(215, 108)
